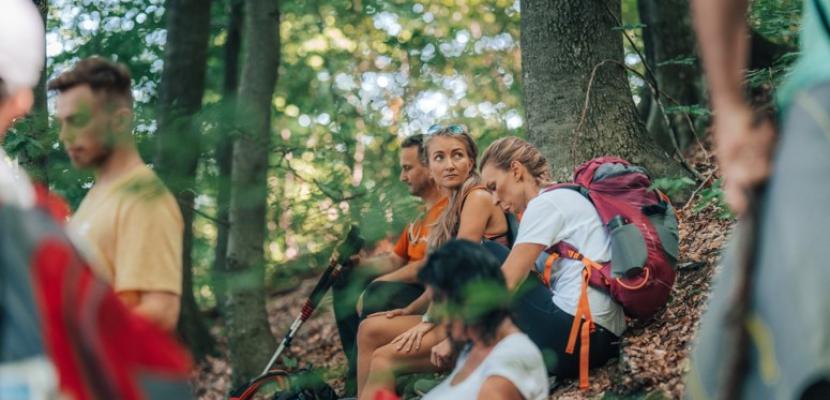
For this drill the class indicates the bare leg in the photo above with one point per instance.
(387, 361)
(374, 333)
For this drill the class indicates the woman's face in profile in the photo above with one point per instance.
(508, 193)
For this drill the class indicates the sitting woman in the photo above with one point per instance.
(498, 361)
(517, 173)
(401, 340)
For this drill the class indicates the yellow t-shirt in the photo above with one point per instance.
(131, 231)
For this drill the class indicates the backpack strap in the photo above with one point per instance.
(583, 308)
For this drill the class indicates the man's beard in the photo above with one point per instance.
(421, 189)
(99, 159)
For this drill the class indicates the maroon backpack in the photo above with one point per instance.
(644, 245)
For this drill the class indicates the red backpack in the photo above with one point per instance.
(53, 307)
(644, 245)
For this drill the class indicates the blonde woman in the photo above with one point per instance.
(401, 341)
(516, 173)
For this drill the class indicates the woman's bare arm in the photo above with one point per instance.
(519, 263)
(475, 215)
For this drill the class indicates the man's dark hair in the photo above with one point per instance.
(103, 77)
(416, 140)
(467, 280)
(3, 93)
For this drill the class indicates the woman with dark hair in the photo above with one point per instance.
(497, 360)
(401, 340)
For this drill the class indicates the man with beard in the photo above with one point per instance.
(129, 224)
(62, 331)
(397, 284)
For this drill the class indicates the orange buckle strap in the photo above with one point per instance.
(549, 268)
(583, 311)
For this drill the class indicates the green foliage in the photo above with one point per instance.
(672, 186)
(774, 75)
(713, 196)
(290, 362)
(628, 27)
(686, 60)
(696, 110)
(777, 20)
(354, 78)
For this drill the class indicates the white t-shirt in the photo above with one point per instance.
(514, 358)
(565, 215)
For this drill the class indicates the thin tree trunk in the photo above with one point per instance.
(669, 37)
(224, 149)
(563, 44)
(249, 334)
(178, 145)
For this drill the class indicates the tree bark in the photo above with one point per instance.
(178, 145)
(224, 149)
(669, 34)
(246, 321)
(562, 43)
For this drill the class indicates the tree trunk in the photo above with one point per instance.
(249, 335)
(562, 43)
(669, 37)
(177, 154)
(764, 53)
(224, 150)
(33, 156)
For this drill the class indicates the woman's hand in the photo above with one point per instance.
(391, 313)
(442, 354)
(411, 339)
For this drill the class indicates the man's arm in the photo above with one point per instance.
(161, 308)
(742, 145)
(406, 274)
(148, 259)
(383, 263)
(723, 37)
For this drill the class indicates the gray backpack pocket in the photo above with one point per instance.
(666, 226)
(628, 250)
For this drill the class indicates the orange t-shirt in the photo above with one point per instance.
(412, 245)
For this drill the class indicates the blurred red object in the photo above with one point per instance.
(386, 395)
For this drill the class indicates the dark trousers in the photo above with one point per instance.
(548, 327)
(377, 297)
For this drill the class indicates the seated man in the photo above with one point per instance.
(398, 285)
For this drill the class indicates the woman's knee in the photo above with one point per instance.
(371, 333)
(383, 359)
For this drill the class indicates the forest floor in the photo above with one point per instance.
(652, 363)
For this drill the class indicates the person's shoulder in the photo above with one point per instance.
(565, 198)
(144, 192)
(142, 184)
(518, 346)
(478, 195)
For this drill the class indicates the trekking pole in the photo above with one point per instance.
(736, 361)
(338, 262)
